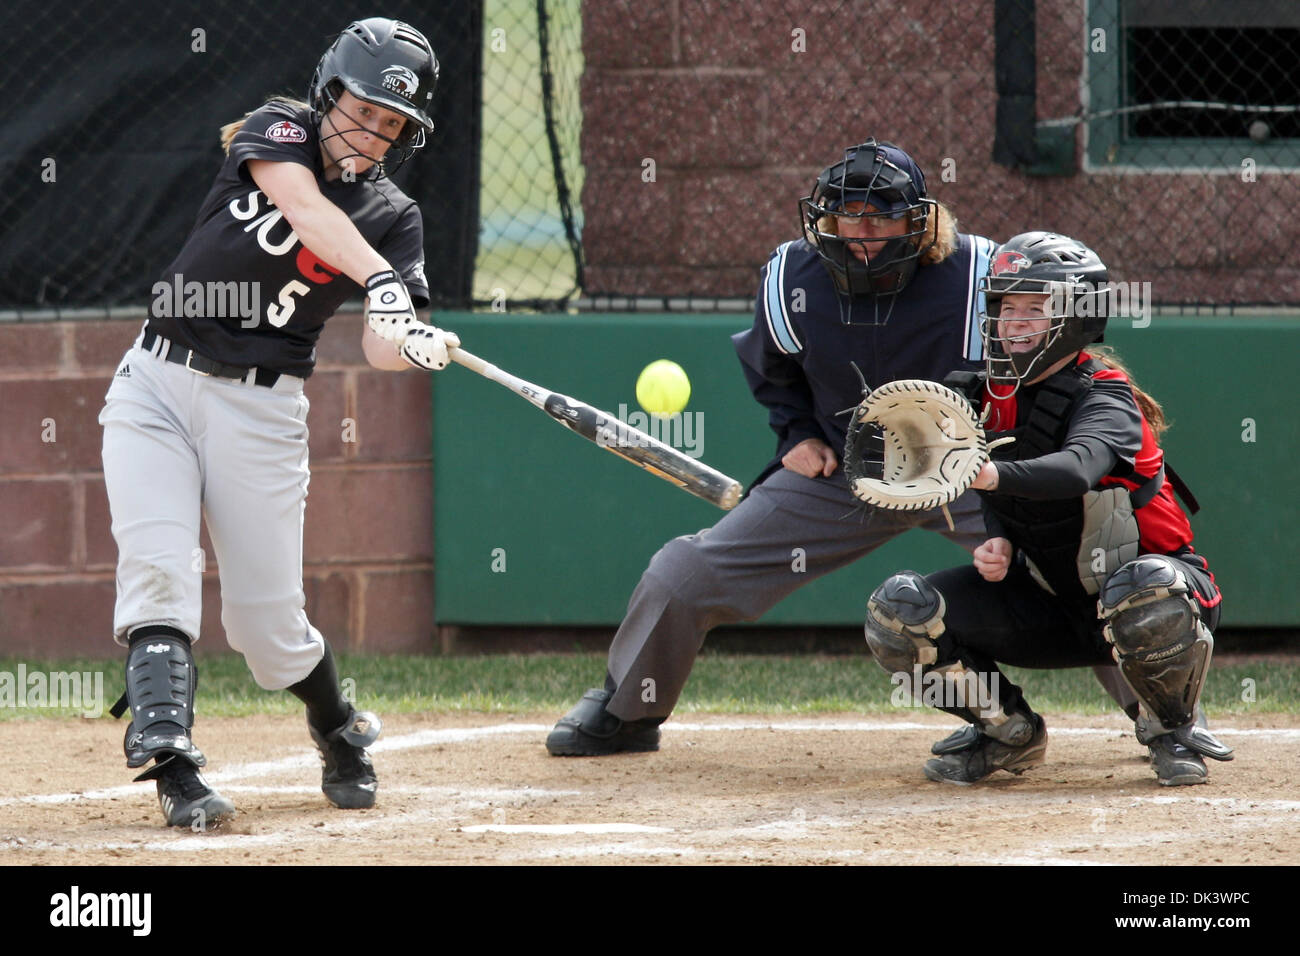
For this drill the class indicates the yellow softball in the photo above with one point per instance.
(662, 388)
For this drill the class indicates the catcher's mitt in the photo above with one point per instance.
(934, 446)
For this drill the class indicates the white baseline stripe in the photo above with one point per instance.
(425, 738)
(564, 829)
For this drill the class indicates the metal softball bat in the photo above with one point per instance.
(615, 436)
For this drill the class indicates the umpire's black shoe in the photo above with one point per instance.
(186, 798)
(588, 730)
(347, 776)
(1024, 746)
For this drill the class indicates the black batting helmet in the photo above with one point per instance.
(387, 63)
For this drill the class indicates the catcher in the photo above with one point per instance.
(1089, 556)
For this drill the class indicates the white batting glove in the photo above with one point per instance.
(390, 312)
(426, 347)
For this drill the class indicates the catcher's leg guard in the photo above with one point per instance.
(904, 617)
(1162, 646)
(1195, 736)
(959, 739)
(160, 684)
(347, 776)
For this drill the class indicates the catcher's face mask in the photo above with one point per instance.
(1028, 325)
(1057, 282)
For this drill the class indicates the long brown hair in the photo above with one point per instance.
(1151, 410)
(230, 129)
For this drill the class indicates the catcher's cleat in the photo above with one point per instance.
(185, 797)
(1195, 736)
(588, 730)
(1175, 765)
(1026, 747)
(347, 776)
(961, 738)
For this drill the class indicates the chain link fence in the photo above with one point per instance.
(530, 252)
(111, 119)
(621, 152)
(1165, 134)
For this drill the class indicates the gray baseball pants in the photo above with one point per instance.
(788, 531)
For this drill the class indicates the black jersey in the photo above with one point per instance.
(244, 290)
(797, 355)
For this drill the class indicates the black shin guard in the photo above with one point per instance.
(319, 690)
(160, 684)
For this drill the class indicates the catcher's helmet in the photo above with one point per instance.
(1075, 281)
(385, 62)
(889, 182)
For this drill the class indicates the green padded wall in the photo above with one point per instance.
(574, 526)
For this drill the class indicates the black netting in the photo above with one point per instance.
(529, 247)
(111, 118)
(629, 149)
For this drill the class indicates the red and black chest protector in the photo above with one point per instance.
(1048, 532)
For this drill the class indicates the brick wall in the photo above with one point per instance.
(368, 565)
(738, 123)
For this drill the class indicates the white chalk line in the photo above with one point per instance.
(1282, 733)
(563, 829)
(424, 738)
(488, 797)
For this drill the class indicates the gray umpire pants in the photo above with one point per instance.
(788, 531)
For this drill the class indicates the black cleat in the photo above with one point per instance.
(588, 730)
(186, 798)
(1195, 736)
(961, 738)
(1026, 747)
(1175, 764)
(347, 776)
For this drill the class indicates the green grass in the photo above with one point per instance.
(720, 683)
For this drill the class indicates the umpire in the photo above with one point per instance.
(882, 280)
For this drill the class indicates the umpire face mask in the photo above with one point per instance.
(870, 223)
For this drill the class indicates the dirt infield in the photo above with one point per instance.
(470, 788)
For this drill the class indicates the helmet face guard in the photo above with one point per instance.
(388, 64)
(874, 181)
(1072, 280)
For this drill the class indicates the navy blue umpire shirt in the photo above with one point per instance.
(796, 355)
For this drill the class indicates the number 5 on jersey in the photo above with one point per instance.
(281, 311)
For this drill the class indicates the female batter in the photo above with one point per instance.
(207, 413)
(1089, 557)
